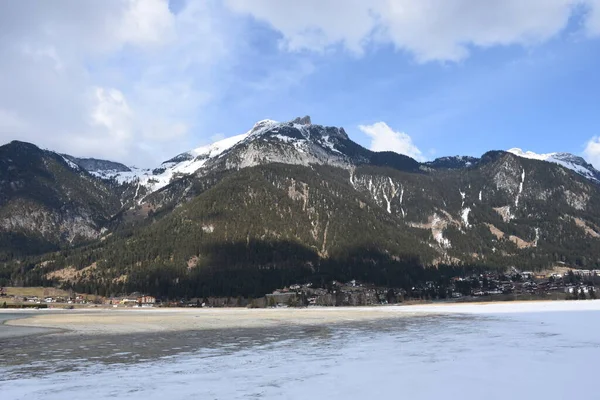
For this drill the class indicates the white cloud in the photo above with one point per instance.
(384, 138)
(429, 29)
(593, 18)
(592, 151)
(113, 113)
(313, 24)
(146, 22)
(117, 79)
(133, 81)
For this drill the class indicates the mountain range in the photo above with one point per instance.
(283, 203)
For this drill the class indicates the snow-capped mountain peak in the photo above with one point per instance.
(261, 126)
(567, 160)
(180, 165)
(215, 149)
(294, 142)
(298, 141)
(530, 154)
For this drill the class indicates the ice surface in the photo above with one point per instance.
(497, 351)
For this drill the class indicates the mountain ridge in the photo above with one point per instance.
(193, 160)
(299, 200)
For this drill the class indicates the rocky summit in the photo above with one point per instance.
(288, 202)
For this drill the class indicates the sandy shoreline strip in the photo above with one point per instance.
(14, 331)
(127, 321)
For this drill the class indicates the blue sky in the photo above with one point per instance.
(541, 99)
(138, 81)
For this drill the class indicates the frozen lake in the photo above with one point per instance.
(532, 351)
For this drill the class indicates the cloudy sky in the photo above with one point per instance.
(140, 80)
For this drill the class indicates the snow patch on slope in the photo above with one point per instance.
(520, 189)
(465, 216)
(219, 147)
(328, 144)
(71, 164)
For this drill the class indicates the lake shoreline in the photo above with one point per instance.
(163, 320)
(14, 330)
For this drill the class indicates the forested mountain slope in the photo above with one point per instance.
(47, 201)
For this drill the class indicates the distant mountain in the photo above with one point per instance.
(456, 162)
(296, 142)
(291, 201)
(96, 166)
(567, 160)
